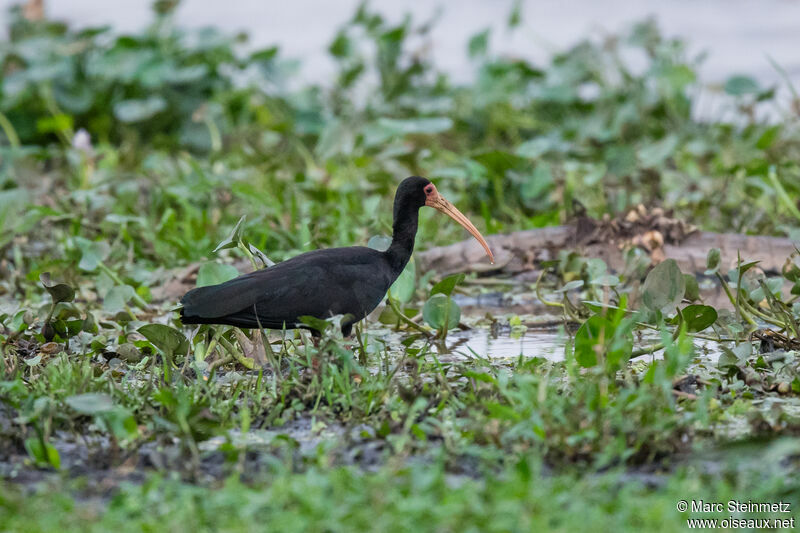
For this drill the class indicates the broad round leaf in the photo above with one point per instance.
(167, 339)
(379, 242)
(692, 291)
(698, 317)
(215, 273)
(60, 292)
(403, 287)
(664, 287)
(572, 285)
(712, 261)
(92, 253)
(139, 110)
(117, 298)
(741, 85)
(440, 310)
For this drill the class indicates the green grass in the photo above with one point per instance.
(422, 498)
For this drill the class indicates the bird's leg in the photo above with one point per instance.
(254, 349)
(362, 351)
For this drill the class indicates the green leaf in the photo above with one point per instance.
(664, 287)
(768, 137)
(741, 85)
(167, 339)
(440, 312)
(712, 261)
(390, 128)
(117, 298)
(698, 317)
(606, 280)
(215, 273)
(233, 238)
(139, 110)
(92, 253)
(772, 286)
(600, 334)
(571, 286)
(692, 289)
(653, 155)
(621, 160)
(315, 323)
(379, 242)
(447, 285)
(479, 43)
(42, 454)
(60, 292)
(90, 403)
(403, 287)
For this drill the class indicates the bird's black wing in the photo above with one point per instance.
(320, 283)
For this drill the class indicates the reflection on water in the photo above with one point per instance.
(546, 344)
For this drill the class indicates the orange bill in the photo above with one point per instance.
(437, 201)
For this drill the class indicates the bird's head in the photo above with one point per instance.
(420, 192)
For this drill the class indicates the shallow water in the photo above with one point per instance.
(509, 345)
(548, 344)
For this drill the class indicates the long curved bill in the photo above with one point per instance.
(437, 201)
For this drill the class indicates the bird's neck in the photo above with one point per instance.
(403, 233)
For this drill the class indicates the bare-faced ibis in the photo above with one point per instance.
(349, 281)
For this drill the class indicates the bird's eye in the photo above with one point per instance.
(429, 189)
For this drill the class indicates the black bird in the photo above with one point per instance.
(323, 283)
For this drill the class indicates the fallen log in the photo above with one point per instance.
(522, 250)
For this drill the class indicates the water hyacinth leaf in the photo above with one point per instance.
(403, 287)
(741, 85)
(90, 403)
(770, 286)
(379, 242)
(698, 317)
(447, 285)
(92, 253)
(664, 287)
(215, 273)
(388, 316)
(731, 358)
(167, 339)
(440, 312)
(653, 155)
(389, 128)
(479, 43)
(60, 292)
(607, 280)
(130, 111)
(117, 298)
(571, 286)
(692, 292)
(712, 261)
(421, 125)
(233, 238)
(595, 267)
(621, 160)
(540, 145)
